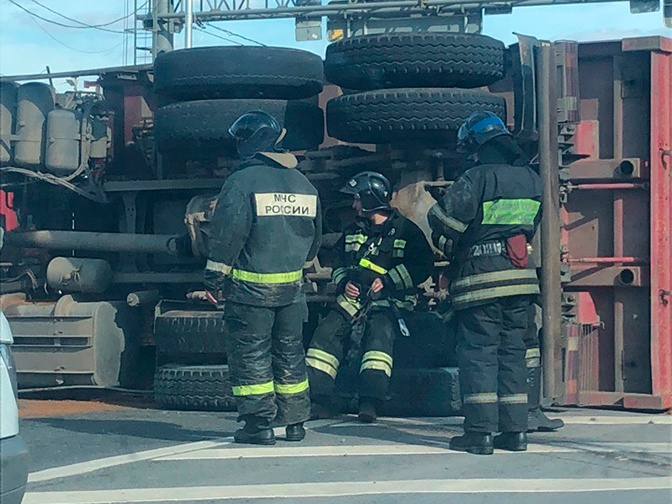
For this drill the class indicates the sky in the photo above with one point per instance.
(29, 44)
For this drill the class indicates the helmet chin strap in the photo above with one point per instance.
(283, 134)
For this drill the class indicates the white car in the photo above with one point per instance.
(13, 450)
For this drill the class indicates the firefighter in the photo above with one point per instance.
(265, 227)
(484, 223)
(382, 259)
(536, 419)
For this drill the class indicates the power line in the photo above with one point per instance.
(236, 35)
(68, 46)
(81, 23)
(217, 36)
(86, 25)
(57, 23)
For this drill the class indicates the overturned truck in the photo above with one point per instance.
(107, 194)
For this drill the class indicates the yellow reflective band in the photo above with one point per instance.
(406, 304)
(399, 243)
(291, 388)
(510, 212)
(531, 353)
(365, 263)
(321, 366)
(377, 355)
(376, 366)
(351, 306)
(495, 276)
(258, 389)
(219, 267)
(338, 274)
(323, 356)
(352, 247)
(485, 398)
(358, 238)
(267, 278)
(396, 279)
(405, 275)
(495, 292)
(446, 220)
(513, 399)
(534, 362)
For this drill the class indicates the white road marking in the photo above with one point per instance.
(224, 453)
(345, 489)
(129, 458)
(104, 463)
(662, 419)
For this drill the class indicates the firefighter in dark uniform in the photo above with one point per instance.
(383, 257)
(265, 227)
(536, 418)
(484, 223)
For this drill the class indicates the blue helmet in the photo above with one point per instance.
(478, 129)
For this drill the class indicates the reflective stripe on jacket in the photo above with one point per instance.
(395, 251)
(267, 224)
(489, 203)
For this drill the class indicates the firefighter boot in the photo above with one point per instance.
(322, 407)
(478, 443)
(295, 432)
(256, 431)
(536, 419)
(511, 441)
(368, 409)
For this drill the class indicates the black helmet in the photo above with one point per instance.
(373, 190)
(256, 131)
(478, 129)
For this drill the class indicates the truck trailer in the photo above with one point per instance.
(106, 195)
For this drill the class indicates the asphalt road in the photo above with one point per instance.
(146, 455)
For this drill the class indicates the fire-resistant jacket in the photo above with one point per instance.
(395, 251)
(267, 224)
(471, 223)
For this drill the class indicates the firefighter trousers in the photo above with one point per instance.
(493, 374)
(267, 362)
(330, 342)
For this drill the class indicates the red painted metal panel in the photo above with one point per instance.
(661, 224)
(9, 219)
(617, 236)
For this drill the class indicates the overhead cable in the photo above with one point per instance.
(233, 34)
(217, 36)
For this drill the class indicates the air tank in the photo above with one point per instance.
(75, 274)
(7, 118)
(99, 137)
(63, 128)
(35, 101)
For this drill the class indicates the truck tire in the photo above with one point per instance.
(238, 72)
(432, 343)
(424, 392)
(195, 388)
(203, 125)
(190, 337)
(415, 60)
(415, 392)
(398, 115)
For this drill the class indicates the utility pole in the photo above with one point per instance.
(188, 22)
(162, 39)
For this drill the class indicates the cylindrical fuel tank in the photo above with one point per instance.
(7, 118)
(63, 127)
(75, 274)
(35, 101)
(99, 139)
